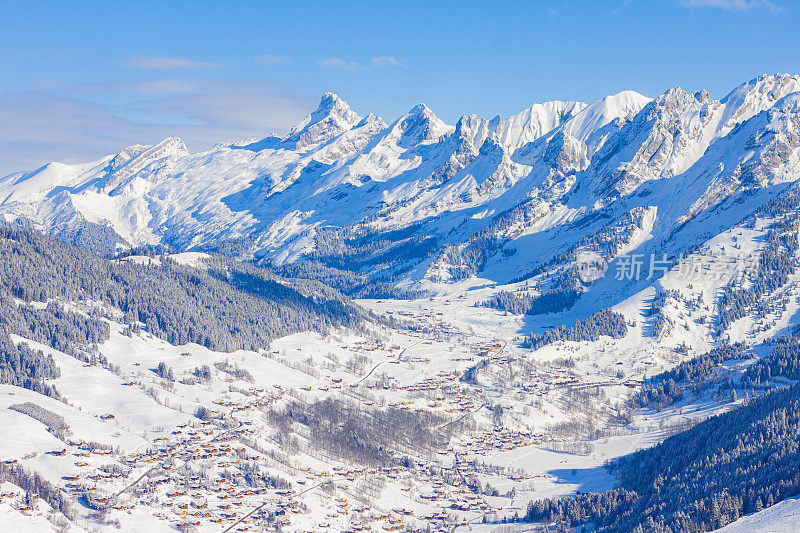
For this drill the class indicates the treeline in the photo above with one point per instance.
(234, 371)
(604, 322)
(34, 486)
(22, 367)
(662, 324)
(553, 301)
(606, 241)
(704, 371)
(466, 259)
(231, 306)
(55, 423)
(52, 325)
(698, 480)
(667, 388)
(518, 304)
(469, 258)
(227, 307)
(782, 362)
(381, 256)
(349, 283)
(366, 436)
(775, 265)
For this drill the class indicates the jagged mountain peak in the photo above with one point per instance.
(474, 129)
(535, 121)
(420, 108)
(128, 153)
(418, 126)
(338, 169)
(331, 118)
(169, 147)
(519, 129)
(622, 105)
(758, 94)
(330, 99)
(672, 100)
(140, 157)
(115, 169)
(329, 104)
(370, 118)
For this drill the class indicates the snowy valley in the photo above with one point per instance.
(571, 317)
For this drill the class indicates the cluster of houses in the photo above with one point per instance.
(201, 475)
(426, 322)
(447, 390)
(499, 439)
(17, 500)
(222, 495)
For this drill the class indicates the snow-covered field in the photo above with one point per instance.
(135, 445)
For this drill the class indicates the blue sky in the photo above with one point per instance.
(79, 80)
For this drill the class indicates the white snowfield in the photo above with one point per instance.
(783, 517)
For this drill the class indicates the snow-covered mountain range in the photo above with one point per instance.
(200, 392)
(419, 199)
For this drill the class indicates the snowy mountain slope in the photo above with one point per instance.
(762, 149)
(532, 123)
(783, 517)
(455, 188)
(205, 438)
(623, 105)
(190, 438)
(492, 219)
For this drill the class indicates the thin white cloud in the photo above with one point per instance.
(83, 123)
(170, 63)
(339, 63)
(151, 87)
(165, 86)
(272, 60)
(234, 109)
(388, 61)
(38, 127)
(734, 5)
